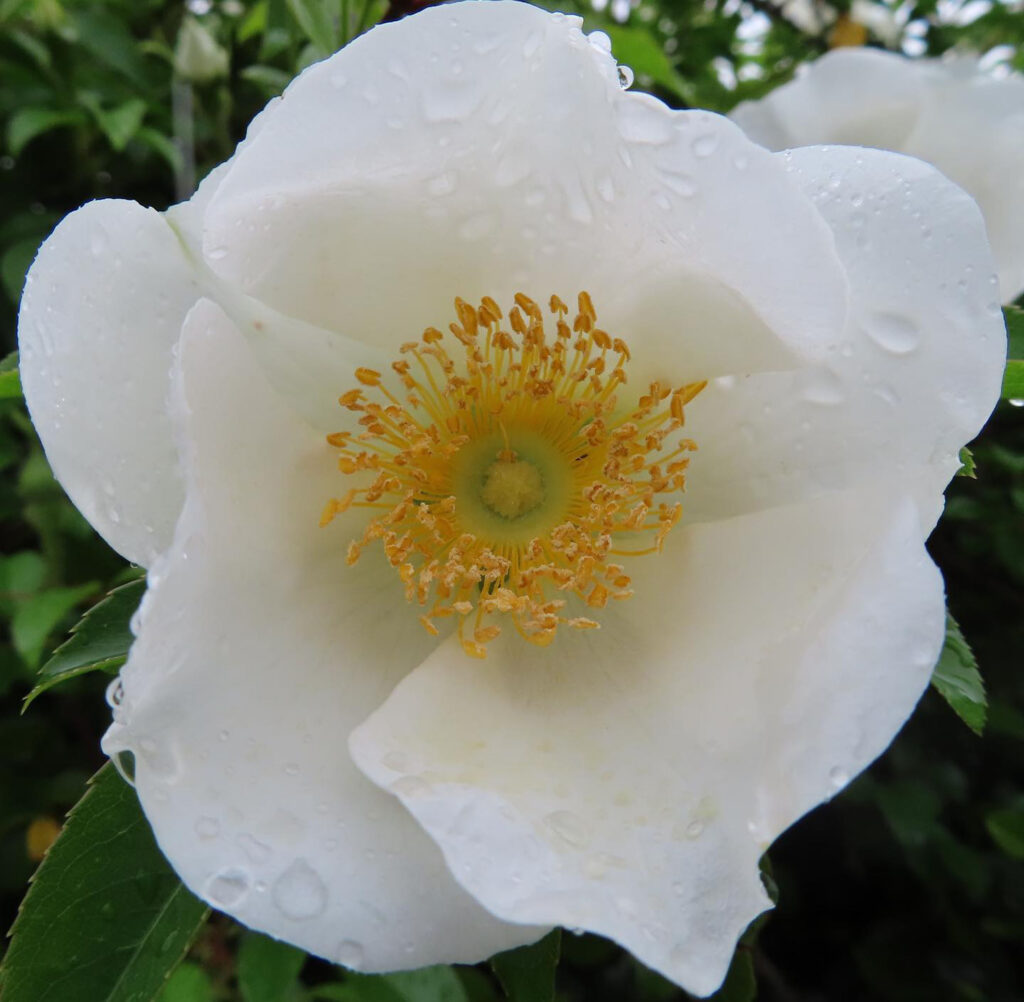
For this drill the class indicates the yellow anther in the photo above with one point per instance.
(559, 469)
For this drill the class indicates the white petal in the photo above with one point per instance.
(972, 128)
(102, 310)
(920, 363)
(258, 649)
(626, 781)
(488, 148)
(854, 96)
(967, 123)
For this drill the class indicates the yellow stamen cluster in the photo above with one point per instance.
(509, 476)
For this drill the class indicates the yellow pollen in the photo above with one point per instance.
(512, 489)
(502, 473)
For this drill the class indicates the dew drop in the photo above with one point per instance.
(207, 828)
(228, 887)
(822, 386)
(704, 146)
(695, 829)
(894, 333)
(626, 77)
(351, 954)
(838, 777)
(441, 184)
(600, 41)
(257, 851)
(115, 693)
(299, 892)
(291, 769)
(568, 827)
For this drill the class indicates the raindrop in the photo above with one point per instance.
(704, 146)
(476, 227)
(695, 829)
(822, 386)
(162, 761)
(351, 954)
(1016, 402)
(396, 761)
(568, 827)
(600, 41)
(442, 184)
(207, 827)
(257, 851)
(299, 892)
(228, 887)
(896, 334)
(532, 44)
(625, 77)
(838, 777)
(409, 786)
(115, 693)
(291, 769)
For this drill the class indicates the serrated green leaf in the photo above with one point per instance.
(1006, 826)
(527, 974)
(968, 468)
(106, 919)
(36, 618)
(267, 968)
(98, 642)
(957, 679)
(27, 123)
(10, 380)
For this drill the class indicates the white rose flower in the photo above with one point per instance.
(369, 708)
(967, 122)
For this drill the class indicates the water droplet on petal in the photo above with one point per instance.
(695, 829)
(228, 887)
(351, 954)
(115, 693)
(257, 851)
(600, 41)
(299, 892)
(207, 828)
(568, 827)
(626, 77)
(704, 146)
(838, 777)
(822, 386)
(894, 333)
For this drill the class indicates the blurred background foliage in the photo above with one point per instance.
(909, 886)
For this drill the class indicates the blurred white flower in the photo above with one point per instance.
(313, 759)
(968, 123)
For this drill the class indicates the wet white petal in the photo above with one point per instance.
(966, 122)
(257, 651)
(628, 780)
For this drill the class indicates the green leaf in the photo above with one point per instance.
(189, 983)
(1006, 826)
(313, 19)
(968, 468)
(36, 617)
(1013, 378)
(10, 380)
(14, 265)
(119, 124)
(958, 680)
(527, 974)
(428, 984)
(267, 968)
(27, 123)
(106, 919)
(98, 642)
(740, 983)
